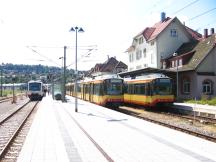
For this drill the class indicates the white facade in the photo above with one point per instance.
(147, 53)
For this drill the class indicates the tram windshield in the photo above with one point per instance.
(163, 86)
(114, 87)
(34, 86)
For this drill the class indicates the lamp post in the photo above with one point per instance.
(76, 29)
(62, 58)
(175, 54)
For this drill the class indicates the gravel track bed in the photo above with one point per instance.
(195, 126)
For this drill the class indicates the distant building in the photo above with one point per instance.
(110, 66)
(158, 41)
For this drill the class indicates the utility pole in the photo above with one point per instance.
(64, 76)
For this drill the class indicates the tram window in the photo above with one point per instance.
(139, 88)
(125, 88)
(78, 88)
(86, 88)
(130, 88)
(98, 89)
(114, 88)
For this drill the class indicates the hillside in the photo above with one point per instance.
(24, 73)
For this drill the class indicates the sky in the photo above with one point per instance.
(35, 31)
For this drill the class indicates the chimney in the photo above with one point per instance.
(163, 16)
(205, 33)
(212, 31)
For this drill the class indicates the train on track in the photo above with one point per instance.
(149, 90)
(104, 90)
(35, 90)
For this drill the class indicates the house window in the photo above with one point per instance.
(138, 67)
(144, 52)
(152, 43)
(152, 58)
(138, 54)
(186, 86)
(173, 33)
(131, 57)
(141, 40)
(176, 63)
(173, 63)
(164, 64)
(207, 87)
(180, 62)
(145, 65)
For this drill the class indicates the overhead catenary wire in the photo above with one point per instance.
(50, 60)
(201, 14)
(188, 5)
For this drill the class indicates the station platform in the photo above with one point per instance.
(198, 109)
(97, 134)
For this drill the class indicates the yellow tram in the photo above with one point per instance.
(149, 90)
(104, 90)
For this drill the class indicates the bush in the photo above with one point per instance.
(203, 101)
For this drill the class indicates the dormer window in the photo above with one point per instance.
(164, 64)
(180, 62)
(173, 33)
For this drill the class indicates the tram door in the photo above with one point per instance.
(91, 93)
(84, 91)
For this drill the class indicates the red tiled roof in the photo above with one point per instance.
(159, 27)
(194, 33)
(151, 33)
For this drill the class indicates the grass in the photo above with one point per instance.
(7, 93)
(204, 101)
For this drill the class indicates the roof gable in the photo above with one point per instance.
(200, 50)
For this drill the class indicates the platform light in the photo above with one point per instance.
(80, 30)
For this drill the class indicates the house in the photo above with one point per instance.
(158, 41)
(195, 66)
(110, 66)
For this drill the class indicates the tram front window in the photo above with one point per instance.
(163, 87)
(34, 86)
(114, 87)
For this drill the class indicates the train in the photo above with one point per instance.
(35, 90)
(106, 90)
(150, 90)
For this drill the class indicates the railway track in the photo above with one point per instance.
(193, 118)
(6, 99)
(10, 127)
(139, 114)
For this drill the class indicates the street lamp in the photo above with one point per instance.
(176, 61)
(76, 29)
(62, 58)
